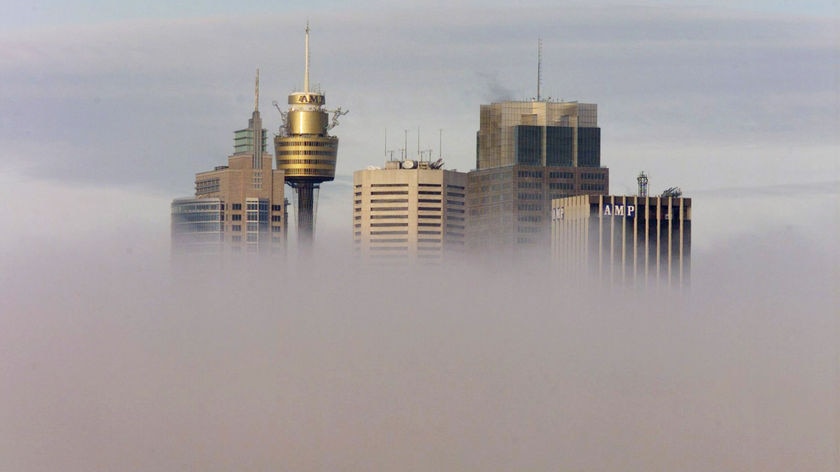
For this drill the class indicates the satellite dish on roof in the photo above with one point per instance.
(408, 164)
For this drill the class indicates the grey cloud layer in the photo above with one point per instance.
(152, 102)
(113, 361)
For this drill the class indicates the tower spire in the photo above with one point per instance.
(257, 91)
(306, 69)
(539, 67)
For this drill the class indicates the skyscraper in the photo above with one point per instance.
(539, 133)
(409, 211)
(625, 239)
(237, 206)
(529, 152)
(306, 152)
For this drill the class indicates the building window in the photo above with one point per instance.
(527, 144)
(236, 217)
(237, 206)
(203, 187)
(560, 175)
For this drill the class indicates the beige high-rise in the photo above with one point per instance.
(409, 211)
(625, 239)
(239, 207)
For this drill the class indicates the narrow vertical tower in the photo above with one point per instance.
(306, 152)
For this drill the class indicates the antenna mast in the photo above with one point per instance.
(642, 179)
(257, 91)
(306, 69)
(539, 67)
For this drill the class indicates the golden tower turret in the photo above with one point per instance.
(305, 150)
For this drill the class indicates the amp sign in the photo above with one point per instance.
(627, 211)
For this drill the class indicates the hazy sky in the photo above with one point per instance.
(707, 96)
(108, 362)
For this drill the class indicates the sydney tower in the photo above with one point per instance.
(306, 152)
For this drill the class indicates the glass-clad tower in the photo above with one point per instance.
(528, 153)
(539, 133)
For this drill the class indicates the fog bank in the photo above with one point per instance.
(113, 360)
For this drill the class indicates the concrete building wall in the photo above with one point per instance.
(416, 214)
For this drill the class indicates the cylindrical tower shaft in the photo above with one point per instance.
(305, 213)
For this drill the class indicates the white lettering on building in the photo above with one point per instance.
(628, 211)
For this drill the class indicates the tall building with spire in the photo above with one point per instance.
(238, 207)
(305, 151)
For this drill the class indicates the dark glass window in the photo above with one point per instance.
(558, 145)
(589, 147)
(528, 144)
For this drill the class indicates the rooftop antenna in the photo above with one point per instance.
(643, 184)
(306, 69)
(440, 143)
(539, 67)
(418, 143)
(389, 153)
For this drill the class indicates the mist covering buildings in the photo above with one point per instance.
(111, 362)
(634, 240)
(530, 157)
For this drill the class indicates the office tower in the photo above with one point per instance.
(409, 211)
(306, 152)
(539, 133)
(632, 240)
(239, 207)
(529, 152)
